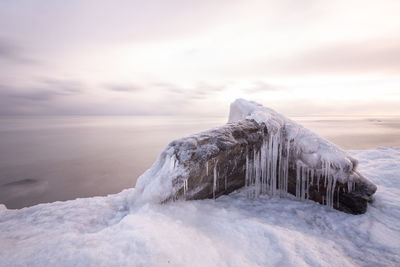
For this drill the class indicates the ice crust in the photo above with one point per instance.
(155, 184)
(313, 151)
(267, 168)
(316, 157)
(232, 230)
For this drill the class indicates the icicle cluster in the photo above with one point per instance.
(315, 161)
(305, 178)
(314, 158)
(267, 168)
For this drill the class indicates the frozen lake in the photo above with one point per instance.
(45, 159)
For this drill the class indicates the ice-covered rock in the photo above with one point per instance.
(264, 152)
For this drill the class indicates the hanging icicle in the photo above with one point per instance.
(185, 186)
(215, 179)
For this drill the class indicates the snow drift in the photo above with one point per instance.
(263, 151)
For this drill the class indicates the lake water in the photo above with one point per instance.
(45, 159)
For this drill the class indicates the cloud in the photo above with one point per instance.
(42, 95)
(12, 103)
(63, 86)
(7, 50)
(40, 98)
(263, 87)
(45, 90)
(12, 52)
(123, 87)
(201, 90)
(369, 56)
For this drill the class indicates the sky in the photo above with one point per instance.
(180, 57)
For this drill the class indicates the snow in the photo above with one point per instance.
(233, 230)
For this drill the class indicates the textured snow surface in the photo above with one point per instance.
(230, 231)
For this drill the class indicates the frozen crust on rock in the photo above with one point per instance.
(312, 150)
(263, 152)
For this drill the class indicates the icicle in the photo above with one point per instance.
(207, 168)
(257, 174)
(279, 162)
(268, 155)
(225, 182)
(277, 174)
(328, 192)
(308, 184)
(263, 162)
(333, 190)
(337, 197)
(287, 166)
(274, 164)
(283, 170)
(325, 173)
(312, 176)
(269, 165)
(303, 183)
(298, 170)
(247, 169)
(185, 186)
(330, 185)
(215, 180)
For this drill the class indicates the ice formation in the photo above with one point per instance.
(267, 169)
(277, 156)
(155, 184)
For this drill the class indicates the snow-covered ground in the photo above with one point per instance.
(230, 231)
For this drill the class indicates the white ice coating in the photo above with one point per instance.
(155, 184)
(267, 169)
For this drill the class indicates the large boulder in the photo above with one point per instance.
(263, 151)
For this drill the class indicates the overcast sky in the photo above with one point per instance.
(300, 57)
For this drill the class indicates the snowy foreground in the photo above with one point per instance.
(230, 231)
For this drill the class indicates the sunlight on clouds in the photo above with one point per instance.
(277, 52)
